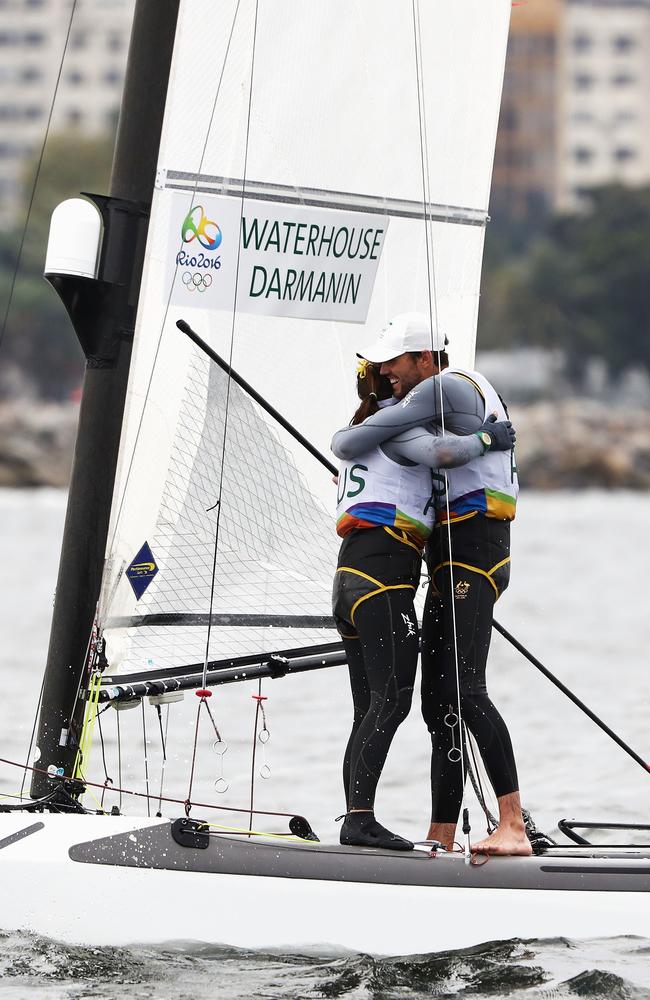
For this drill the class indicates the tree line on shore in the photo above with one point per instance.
(578, 282)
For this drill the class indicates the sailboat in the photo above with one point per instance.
(286, 178)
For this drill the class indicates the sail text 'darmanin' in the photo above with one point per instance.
(275, 258)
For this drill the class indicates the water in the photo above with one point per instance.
(578, 601)
(537, 970)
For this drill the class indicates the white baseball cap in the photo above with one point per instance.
(405, 332)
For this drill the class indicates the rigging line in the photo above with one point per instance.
(204, 676)
(97, 802)
(425, 191)
(33, 733)
(188, 800)
(163, 740)
(426, 197)
(146, 759)
(232, 336)
(475, 778)
(147, 392)
(37, 174)
(178, 802)
(428, 214)
(86, 666)
(107, 779)
(254, 748)
(119, 759)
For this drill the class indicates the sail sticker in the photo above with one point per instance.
(142, 570)
(301, 261)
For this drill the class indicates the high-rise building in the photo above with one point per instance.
(604, 128)
(576, 103)
(524, 167)
(71, 69)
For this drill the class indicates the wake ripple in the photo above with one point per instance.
(537, 970)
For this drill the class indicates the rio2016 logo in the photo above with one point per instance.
(197, 226)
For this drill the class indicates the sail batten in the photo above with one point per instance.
(354, 202)
(243, 621)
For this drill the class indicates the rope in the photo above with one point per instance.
(33, 734)
(188, 800)
(180, 802)
(218, 503)
(431, 283)
(37, 175)
(119, 761)
(253, 751)
(475, 777)
(88, 727)
(127, 478)
(204, 695)
(163, 740)
(146, 759)
(107, 780)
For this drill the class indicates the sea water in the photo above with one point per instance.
(578, 601)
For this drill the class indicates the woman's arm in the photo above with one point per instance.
(460, 411)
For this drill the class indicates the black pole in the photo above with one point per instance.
(241, 663)
(276, 666)
(114, 299)
(187, 329)
(570, 695)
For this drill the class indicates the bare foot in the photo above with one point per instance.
(444, 833)
(509, 838)
(505, 841)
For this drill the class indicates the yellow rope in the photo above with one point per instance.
(257, 833)
(88, 728)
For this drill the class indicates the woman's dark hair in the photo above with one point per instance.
(371, 387)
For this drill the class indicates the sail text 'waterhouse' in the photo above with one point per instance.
(297, 261)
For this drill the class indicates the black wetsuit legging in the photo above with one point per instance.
(480, 549)
(373, 604)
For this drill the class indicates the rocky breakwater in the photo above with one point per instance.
(570, 444)
(36, 443)
(582, 443)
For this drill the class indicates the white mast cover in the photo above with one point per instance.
(303, 114)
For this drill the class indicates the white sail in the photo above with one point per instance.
(322, 167)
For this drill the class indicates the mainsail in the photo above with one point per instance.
(322, 167)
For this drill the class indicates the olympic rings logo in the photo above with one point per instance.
(196, 282)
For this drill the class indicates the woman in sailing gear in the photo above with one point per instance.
(385, 512)
(474, 506)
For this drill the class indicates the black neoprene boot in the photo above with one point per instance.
(361, 829)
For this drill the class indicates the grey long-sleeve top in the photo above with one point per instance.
(420, 447)
(452, 403)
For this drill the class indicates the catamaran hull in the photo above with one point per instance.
(114, 881)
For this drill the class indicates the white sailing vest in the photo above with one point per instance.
(374, 490)
(487, 484)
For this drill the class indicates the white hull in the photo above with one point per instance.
(44, 891)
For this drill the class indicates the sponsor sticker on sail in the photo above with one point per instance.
(141, 570)
(273, 259)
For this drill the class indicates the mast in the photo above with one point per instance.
(103, 314)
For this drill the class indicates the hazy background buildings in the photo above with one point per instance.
(565, 311)
(34, 34)
(576, 103)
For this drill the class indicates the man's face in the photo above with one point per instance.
(403, 373)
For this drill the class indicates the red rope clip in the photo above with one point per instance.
(203, 693)
(260, 697)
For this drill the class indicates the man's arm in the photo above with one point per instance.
(423, 448)
(460, 410)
